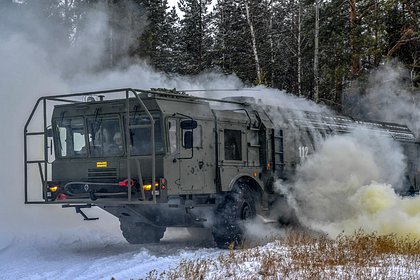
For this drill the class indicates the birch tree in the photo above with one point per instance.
(259, 75)
(232, 49)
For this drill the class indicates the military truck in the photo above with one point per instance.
(162, 158)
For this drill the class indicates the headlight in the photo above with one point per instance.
(148, 187)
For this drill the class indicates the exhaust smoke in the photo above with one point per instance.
(350, 183)
(387, 98)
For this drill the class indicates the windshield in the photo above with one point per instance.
(70, 137)
(141, 132)
(105, 138)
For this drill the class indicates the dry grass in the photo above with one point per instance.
(305, 256)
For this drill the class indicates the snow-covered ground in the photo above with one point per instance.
(95, 252)
(90, 254)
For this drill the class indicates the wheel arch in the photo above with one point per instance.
(253, 185)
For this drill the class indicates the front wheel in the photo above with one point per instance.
(141, 233)
(237, 207)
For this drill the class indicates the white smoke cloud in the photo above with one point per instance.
(34, 63)
(351, 181)
(142, 76)
(349, 184)
(388, 98)
(24, 73)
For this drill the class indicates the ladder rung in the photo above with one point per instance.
(35, 133)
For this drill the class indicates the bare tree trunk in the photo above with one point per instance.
(271, 44)
(299, 55)
(200, 59)
(413, 72)
(316, 53)
(254, 44)
(222, 22)
(355, 57)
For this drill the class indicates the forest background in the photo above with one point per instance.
(322, 50)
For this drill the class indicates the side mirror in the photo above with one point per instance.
(189, 124)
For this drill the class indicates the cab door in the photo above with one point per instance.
(196, 156)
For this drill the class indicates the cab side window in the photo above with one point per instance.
(140, 134)
(233, 144)
(172, 129)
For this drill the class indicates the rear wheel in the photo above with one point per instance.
(231, 215)
(141, 233)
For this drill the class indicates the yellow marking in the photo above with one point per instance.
(101, 164)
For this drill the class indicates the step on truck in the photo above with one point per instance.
(161, 158)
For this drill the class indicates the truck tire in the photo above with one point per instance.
(237, 207)
(141, 233)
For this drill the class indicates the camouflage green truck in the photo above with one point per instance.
(161, 158)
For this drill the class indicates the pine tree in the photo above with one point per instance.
(231, 52)
(170, 54)
(241, 39)
(336, 52)
(127, 19)
(402, 37)
(153, 36)
(195, 41)
(292, 35)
